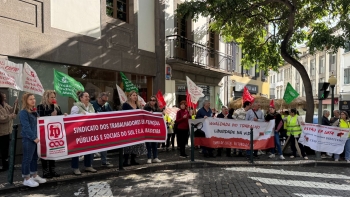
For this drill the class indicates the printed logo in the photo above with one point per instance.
(55, 135)
(55, 131)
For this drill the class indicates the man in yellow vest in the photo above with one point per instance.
(294, 131)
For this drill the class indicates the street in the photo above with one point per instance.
(232, 181)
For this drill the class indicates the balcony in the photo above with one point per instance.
(187, 56)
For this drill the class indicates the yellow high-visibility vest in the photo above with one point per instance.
(293, 128)
(344, 124)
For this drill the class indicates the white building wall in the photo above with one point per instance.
(146, 25)
(81, 17)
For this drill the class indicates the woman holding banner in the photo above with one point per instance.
(28, 118)
(49, 107)
(7, 114)
(138, 149)
(343, 122)
(152, 106)
(82, 107)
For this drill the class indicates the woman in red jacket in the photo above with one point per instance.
(182, 117)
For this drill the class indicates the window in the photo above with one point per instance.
(313, 84)
(272, 93)
(347, 46)
(271, 79)
(321, 65)
(278, 94)
(212, 43)
(117, 9)
(312, 67)
(274, 76)
(347, 76)
(332, 62)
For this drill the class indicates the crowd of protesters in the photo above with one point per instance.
(287, 125)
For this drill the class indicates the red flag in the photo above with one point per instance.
(189, 101)
(161, 101)
(272, 104)
(247, 96)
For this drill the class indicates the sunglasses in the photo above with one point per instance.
(153, 100)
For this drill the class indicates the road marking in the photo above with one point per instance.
(289, 173)
(99, 189)
(307, 184)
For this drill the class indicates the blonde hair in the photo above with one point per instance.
(45, 99)
(137, 101)
(25, 105)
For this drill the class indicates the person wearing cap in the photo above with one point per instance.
(272, 115)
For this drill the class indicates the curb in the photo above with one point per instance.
(144, 169)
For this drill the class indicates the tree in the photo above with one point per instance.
(269, 31)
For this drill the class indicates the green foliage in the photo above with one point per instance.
(260, 26)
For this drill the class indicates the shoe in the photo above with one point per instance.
(90, 169)
(336, 159)
(282, 158)
(183, 156)
(107, 164)
(347, 161)
(186, 155)
(81, 158)
(134, 163)
(38, 179)
(292, 156)
(30, 183)
(323, 156)
(306, 158)
(272, 156)
(149, 161)
(76, 171)
(156, 160)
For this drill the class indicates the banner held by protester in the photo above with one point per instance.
(226, 133)
(31, 81)
(70, 136)
(324, 138)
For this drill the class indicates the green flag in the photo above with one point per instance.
(218, 100)
(66, 85)
(290, 94)
(128, 86)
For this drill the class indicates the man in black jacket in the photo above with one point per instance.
(224, 114)
(325, 120)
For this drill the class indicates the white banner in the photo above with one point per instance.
(324, 138)
(122, 96)
(195, 91)
(31, 81)
(10, 75)
(228, 133)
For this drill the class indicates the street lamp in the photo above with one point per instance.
(332, 82)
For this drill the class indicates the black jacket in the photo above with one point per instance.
(325, 121)
(221, 115)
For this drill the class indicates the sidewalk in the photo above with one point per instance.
(170, 161)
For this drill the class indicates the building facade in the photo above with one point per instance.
(319, 66)
(92, 41)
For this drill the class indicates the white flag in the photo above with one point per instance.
(31, 81)
(140, 99)
(10, 75)
(195, 91)
(122, 96)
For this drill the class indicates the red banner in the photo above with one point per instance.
(70, 136)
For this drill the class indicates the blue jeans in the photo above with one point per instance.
(30, 158)
(277, 144)
(347, 151)
(152, 147)
(87, 161)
